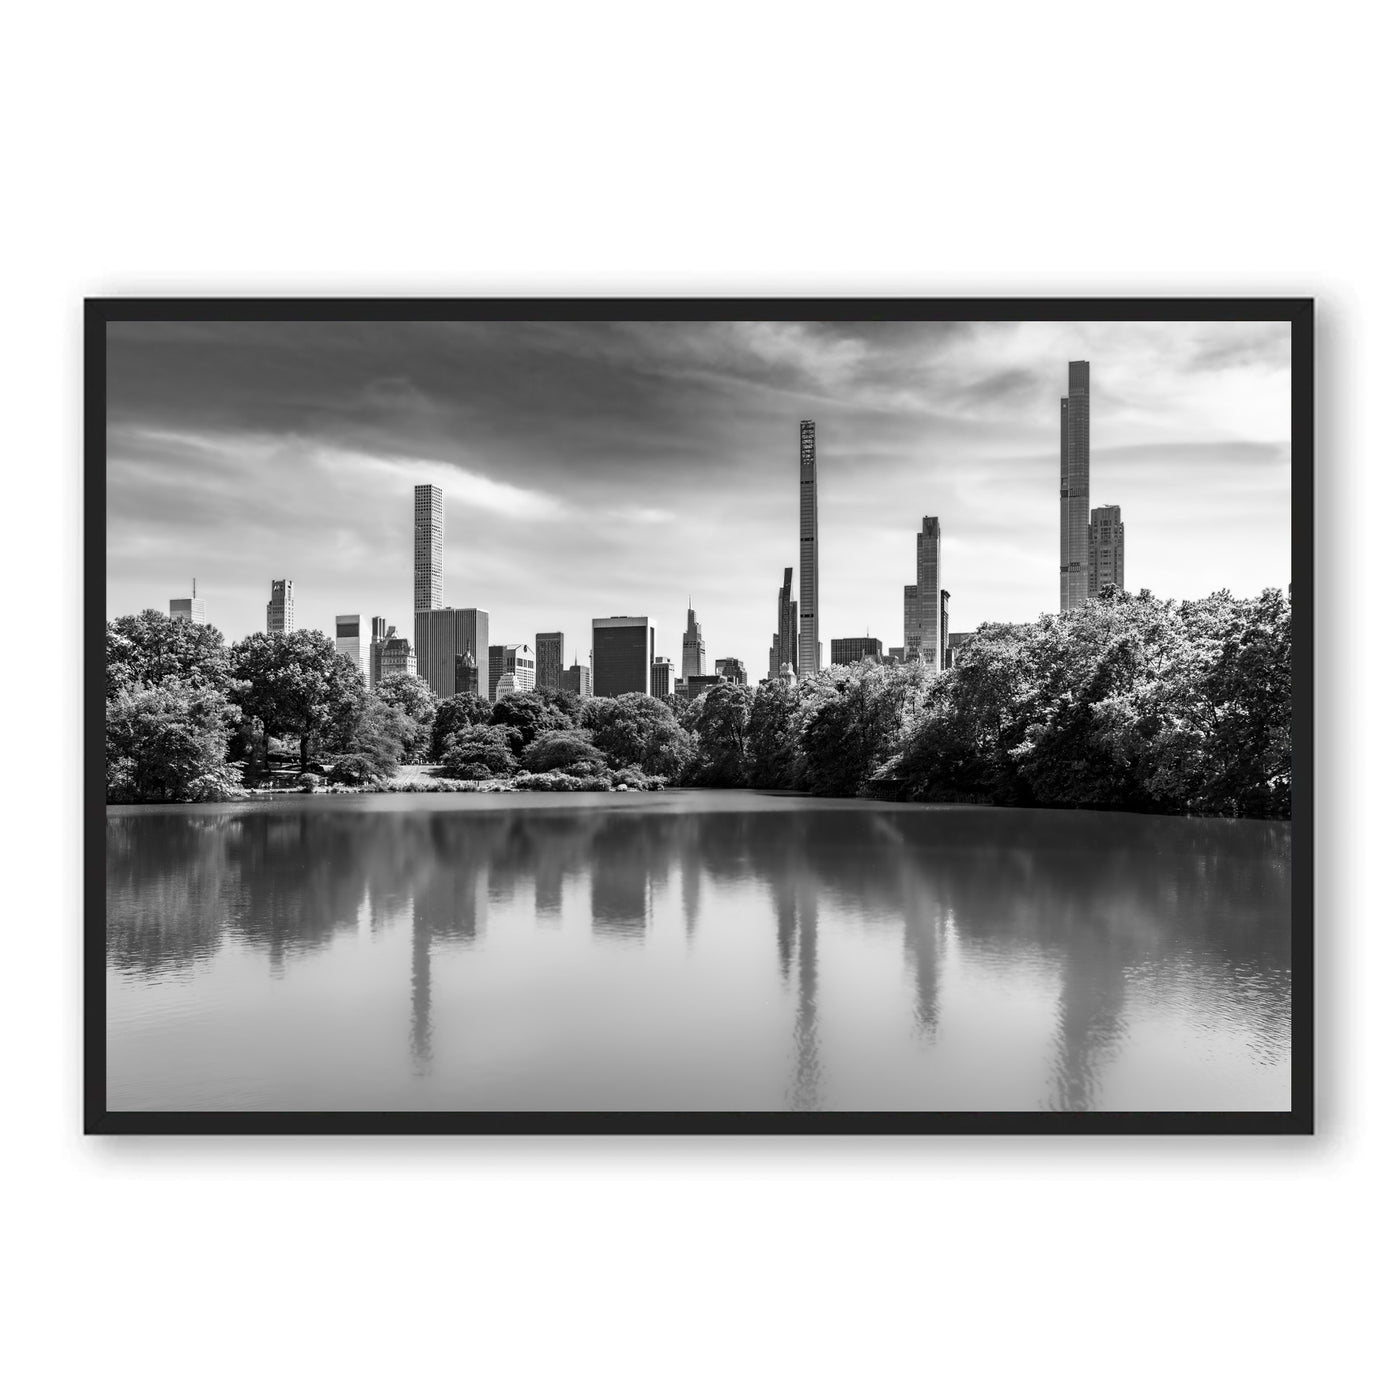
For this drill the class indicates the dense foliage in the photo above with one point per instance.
(1129, 702)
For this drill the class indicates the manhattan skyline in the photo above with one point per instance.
(590, 470)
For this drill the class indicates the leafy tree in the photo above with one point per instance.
(480, 751)
(147, 649)
(721, 732)
(640, 730)
(456, 712)
(297, 685)
(167, 743)
(527, 715)
(774, 735)
(569, 703)
(567, 750)
(416, 701)
(859, 723)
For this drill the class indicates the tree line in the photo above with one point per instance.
(1130, 702)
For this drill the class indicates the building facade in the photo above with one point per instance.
(730, 668)
(512, 659)
(578, 679)
(378, 631)
(468, 675)
(923, 601)
(396, 657)
(847, 651)
(279, 607)
(809, 647)
(549, 660)
(1074, 488)
(1105, 549)
(784, 648)
(695, 686)
(440, 636)
(623, 650)
(692, 647)
(352, 639)
(663, 677)
(191, 608)
(943, 599)
(427, 548)
(956, 642)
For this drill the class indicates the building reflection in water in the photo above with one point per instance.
(1094, 899)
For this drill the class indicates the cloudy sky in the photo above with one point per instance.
(592, 469)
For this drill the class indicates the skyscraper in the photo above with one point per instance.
(943, 598)
(191, 608)
(279, 608)
(577, 679)
(663, 677)
(352, 640)
(809, 647)
(427, 548)
(784, 646)
(377, 636)
(623, 648)
(1074, 488)
(440, 636)
(692, 648)
(549, 660)
(923, 601)
(1105, 548)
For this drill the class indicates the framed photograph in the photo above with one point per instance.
(699, 716)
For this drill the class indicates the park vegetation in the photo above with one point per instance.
(1131, 702)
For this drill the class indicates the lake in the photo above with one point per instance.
(692, 950)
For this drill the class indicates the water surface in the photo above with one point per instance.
(692, 950)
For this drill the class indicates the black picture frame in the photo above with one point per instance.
(100, 312)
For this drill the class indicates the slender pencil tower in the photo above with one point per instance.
(809, 647)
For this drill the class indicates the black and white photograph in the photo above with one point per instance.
(709, 716)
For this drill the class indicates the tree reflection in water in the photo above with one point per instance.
(1110, 901)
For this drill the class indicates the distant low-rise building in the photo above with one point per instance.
(956, 642)
(191, 608)
(894, 656)
(692, 687)
(846, 651)
(663, 676)
(577, 679)
(731, 668)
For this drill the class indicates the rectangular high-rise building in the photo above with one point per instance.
(663, 677)
(1074, 488)
(784, 648)
(847, 651)
(1105, 549)
(378, 633)
(911, 620)
(809, 647)
(578, 679)
(514, 659)
(443, 635)
(943, 598)
(352, 639)
(549, 660)
(427, 548)
(279, 608)
(623, 650)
